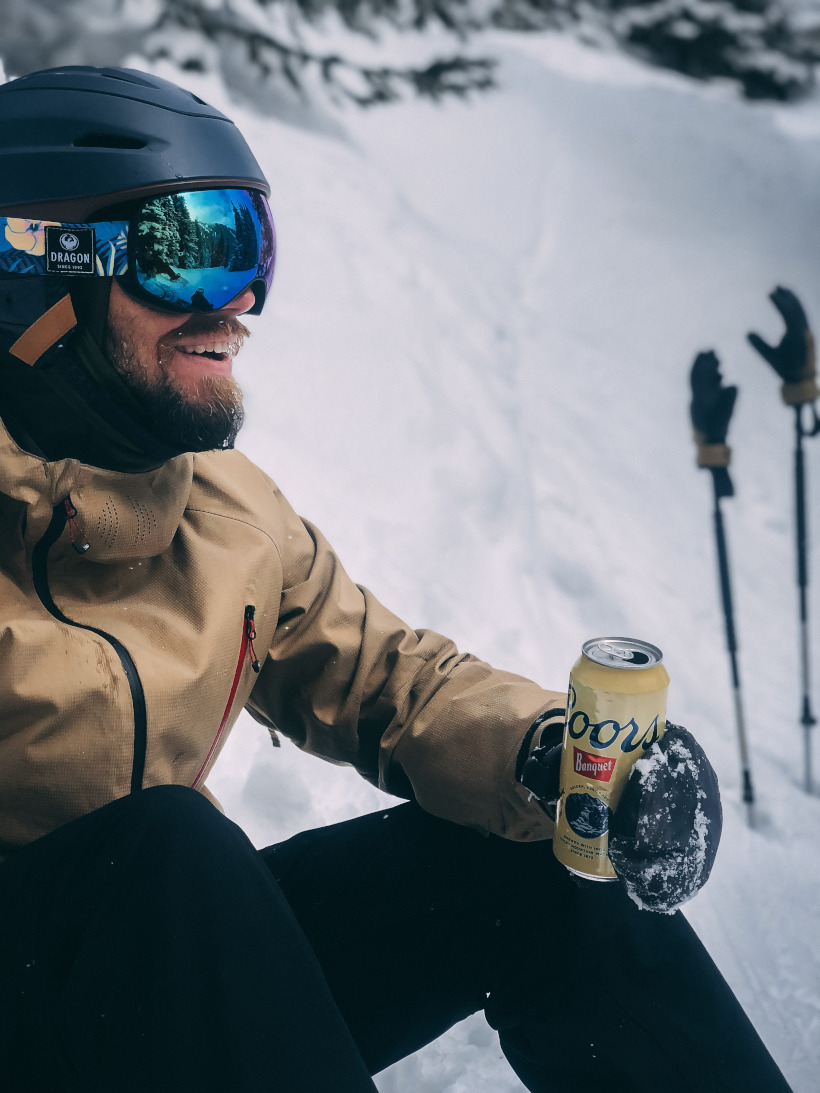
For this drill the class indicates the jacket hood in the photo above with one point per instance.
(123, 515)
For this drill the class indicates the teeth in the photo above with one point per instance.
(219, 347)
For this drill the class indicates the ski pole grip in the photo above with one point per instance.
(801, 392)
(712, 455)
(801, 387)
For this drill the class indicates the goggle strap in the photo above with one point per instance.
(45, 331)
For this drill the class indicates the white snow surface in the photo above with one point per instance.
(473, 376)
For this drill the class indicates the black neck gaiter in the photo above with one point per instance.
(73, 403)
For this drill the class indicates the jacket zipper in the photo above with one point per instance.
(64, 513)
(246, 649)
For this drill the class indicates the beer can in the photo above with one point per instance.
(616, 710)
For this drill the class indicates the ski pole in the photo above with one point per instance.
(794, 361)
(731, 644)
(711, 408)
(807, 718)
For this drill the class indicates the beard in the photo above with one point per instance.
(196, 419)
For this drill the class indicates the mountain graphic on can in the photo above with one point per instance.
(616, 710)
(588, 816)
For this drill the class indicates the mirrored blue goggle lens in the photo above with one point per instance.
(197, 251)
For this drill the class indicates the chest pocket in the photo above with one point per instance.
(246, 655)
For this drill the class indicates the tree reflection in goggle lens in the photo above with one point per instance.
(199, 250)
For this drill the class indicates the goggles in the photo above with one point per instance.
(191, 251)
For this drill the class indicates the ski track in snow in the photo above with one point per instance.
(474, 377)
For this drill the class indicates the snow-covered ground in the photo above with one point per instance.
(473, 376)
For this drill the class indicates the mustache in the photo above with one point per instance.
(229, 330)
(209, 324)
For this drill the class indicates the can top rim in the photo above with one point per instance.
(630, 654)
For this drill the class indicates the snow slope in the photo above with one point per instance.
(474, 378)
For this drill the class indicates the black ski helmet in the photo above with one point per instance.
(77, 139)
(81, 144)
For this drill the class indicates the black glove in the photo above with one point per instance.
(711, 410)
(712, 403)
(793, 358)
(665, 832)
(540, 771)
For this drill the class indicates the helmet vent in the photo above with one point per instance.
(108, 140)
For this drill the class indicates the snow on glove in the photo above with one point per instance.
(793, 358)
(664, 834)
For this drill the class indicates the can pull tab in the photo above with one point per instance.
(618, 652)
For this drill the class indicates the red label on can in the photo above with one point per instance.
(599, 767)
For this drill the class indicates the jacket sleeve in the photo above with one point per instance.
(346, 680)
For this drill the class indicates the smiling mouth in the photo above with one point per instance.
(213, 352)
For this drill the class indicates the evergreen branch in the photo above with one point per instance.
(343, 79)
(770, 48)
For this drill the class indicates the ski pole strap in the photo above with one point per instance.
(801, 392)
(801, 386)
(712, 455)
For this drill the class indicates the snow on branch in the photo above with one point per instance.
(279, 57)
(275, 51)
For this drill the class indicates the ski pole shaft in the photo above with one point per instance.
(726, 591)
(807, 718)
(745, 767)
(731, 642)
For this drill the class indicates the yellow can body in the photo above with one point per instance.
(616, 710)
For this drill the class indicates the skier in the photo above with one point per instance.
(153, 582)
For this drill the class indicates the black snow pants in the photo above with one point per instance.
(148, 947)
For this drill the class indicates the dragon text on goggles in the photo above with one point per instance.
(192, 251)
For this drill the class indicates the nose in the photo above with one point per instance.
(240, 304)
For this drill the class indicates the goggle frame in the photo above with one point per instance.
(110, 248)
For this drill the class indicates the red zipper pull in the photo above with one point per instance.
(250, 634)
(78, 539)
(245, 649)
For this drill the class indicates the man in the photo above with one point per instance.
(153, 583)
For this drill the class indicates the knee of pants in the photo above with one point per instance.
(174, 810)
(168, 807)
(166, 815)
(165, 802)
(167, 823)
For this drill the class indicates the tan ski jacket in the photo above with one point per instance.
(135, 610)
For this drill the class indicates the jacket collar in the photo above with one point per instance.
(120, 515)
